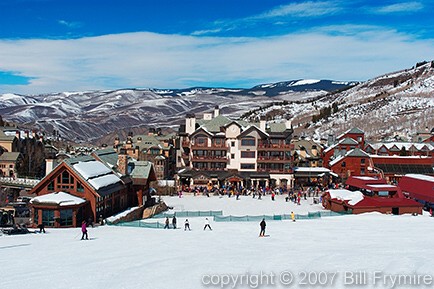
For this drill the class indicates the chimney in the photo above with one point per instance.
(17, 134)
(288, 123)
(123, 162)
(216, 111)
(49, 166)
(116, 143)
(207, 116)
(34, 134)
(27, 134)
(262, 124)
(190, 123)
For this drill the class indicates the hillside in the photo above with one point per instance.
(399, 103)
(91, 116)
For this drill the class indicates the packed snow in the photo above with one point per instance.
(125, 257)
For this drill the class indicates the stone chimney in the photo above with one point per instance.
(190, 123)
(34, 134)
(123, 162)
(17, 134)
(216, 111)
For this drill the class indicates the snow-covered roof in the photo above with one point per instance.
(91, 169)
(383, 186)
(58, 198)
(104, 181)
(401, 145)
(346, 195)
(312, 170)
(365, 178)
(336, 160)
(421, 177)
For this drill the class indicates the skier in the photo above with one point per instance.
(272, 196)
(430, 212)
(293, 216)
(41, 228)
(174, 222)
(186, 225)
(207, 224)
(263, 225)
(84, 230)
(166, 226)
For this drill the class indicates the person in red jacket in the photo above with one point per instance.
(84, 230)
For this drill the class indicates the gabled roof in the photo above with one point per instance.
(9, 157)
(108, 156)
(4, 137)
(214, 124)
(203, 130)
(355, 130)
(348, 141)
(142, 170)
(356, 153)
(252, 128)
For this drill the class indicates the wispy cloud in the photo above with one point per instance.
(171, 61)
(305, 9)
(276, 16)
(405, 7)
(70, 24)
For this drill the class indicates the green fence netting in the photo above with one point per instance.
(218, 217)
(183, 214)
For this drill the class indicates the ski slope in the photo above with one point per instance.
(122, 257)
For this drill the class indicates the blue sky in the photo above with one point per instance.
(72, 45)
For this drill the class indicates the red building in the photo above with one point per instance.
(369, 194)
(354, 163)
(419, 187)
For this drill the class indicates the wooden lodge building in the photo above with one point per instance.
(90, 188)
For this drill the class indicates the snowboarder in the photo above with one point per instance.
(166, 226)
(186, 225)
(41, 228)
(207, 224)
(262, 225)
(174, 222)
(84, 230)
(293, 216)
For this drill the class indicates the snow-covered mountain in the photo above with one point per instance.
(90, 115)
(395, 103)
(399, 103)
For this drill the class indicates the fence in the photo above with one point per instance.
(183, 214)
(247, 218)
(218, 217)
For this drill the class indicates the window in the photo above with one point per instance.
(232, 156)
(48, 217)
(232, 143)
(362, 171)
(247, 166)
(248, 142)
(65, 178)
(247, 154)
(80, 187)
(51, 186)
(344, 164)
(362, 161)
(66, 217)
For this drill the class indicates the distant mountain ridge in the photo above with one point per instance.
(90, 115)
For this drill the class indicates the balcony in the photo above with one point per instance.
(271, 159)
(219, 159)
(275, 171)
(211, 147)
(275, 147)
